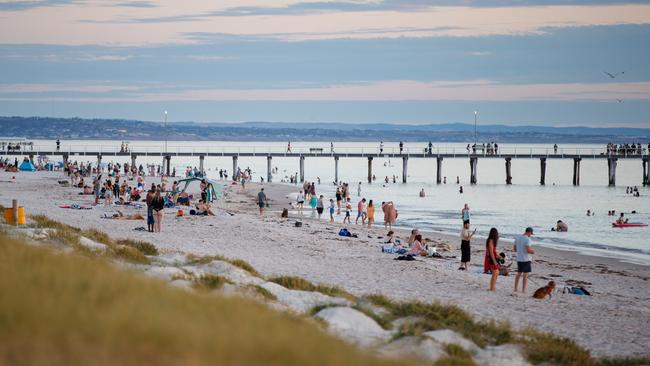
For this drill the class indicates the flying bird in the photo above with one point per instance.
(619, 100)
(614, 75)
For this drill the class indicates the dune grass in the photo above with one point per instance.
(209, 282)
(197, 260)
(74, 310)
(144, 247)
(624, 361)
(432, 316)
(297, 283)
(456, 356)
(266, 294)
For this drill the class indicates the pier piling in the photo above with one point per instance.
(473, 163)
(369, 169)
(133, 157)
(439, 170)
(576, 171)
(405, 162)
(234, 167)
(611, 165)
(508, 171)
(269, 170)
(201, 160)
(168, 161)
(542, 173)
(336, 169)
(302, 169)
(99, 163)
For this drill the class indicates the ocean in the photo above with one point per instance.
(509, 208)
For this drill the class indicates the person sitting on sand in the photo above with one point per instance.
(203, 208)
(504, 269)
(411, 239)
(88, 190)
(416, 248)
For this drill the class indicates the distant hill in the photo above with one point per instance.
(120, 129)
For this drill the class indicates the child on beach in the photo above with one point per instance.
(348, 210)
(331, 211)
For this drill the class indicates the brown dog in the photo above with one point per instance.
(542, 292)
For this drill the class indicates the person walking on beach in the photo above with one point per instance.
(524, 250)
(338, 200)
(465, 213)
(300, 199)
(490, 264)
(331, 211)
(371, 213)
(261, 200)
(348, 210)
(465, 250)
(158, 204)
(360, 209)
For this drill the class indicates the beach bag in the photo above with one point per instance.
(344, 232)
(298, 224)
(407, 257)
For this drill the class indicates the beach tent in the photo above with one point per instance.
(27, 166)
(213, 191)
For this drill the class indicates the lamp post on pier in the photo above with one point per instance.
(475, 131)
(165, 126)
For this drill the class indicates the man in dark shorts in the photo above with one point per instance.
(261, 201)
(524, 260)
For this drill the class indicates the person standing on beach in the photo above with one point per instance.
(261, 200)
(300, 200)
(158, 204)
(491, 265)
(360, 208)
(320, 206)
(348, 210)
(390, 214)
(524, 260)
(371, 214)
(465, 212)
(331, 211)
(338, 200)
(465, 250)
(97, 186)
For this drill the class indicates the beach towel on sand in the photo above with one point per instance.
(76, 207)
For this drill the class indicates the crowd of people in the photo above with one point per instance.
(491, 148)
(627, 149)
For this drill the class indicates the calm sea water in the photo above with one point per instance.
(493, 204)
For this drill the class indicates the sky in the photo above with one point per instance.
(515, 62)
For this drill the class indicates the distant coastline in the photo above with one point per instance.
(120, 129)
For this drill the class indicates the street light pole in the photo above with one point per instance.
(165, 132)
(475, 133)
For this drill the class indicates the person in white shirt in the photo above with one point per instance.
(524, 250)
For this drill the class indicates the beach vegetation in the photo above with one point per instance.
(432, 316)
(129, 254)
(624, 361)
(210, 282)
(44, 222)
(551, 349)
(56, 305)
(266, 294)
(298, 283)
(456, 356)
(144, 247)
(383, 321)
(244, 265)
(198, 260)
(98, 236)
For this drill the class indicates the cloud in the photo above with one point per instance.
(390, 91)
(102, 23)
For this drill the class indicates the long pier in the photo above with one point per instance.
(439, 154)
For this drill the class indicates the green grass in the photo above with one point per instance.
(266, 294)
(297, 283)
(197, 260)
(210, 282)
(74, 310)
(548, 348)
(434, 316)
(98, 236)
(456, 356)
(624, 361)
(129, 254)
(144, 247)
(383, 321)
(42, 221)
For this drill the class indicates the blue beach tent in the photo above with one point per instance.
(27, 166)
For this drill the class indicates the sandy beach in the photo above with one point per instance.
(615, 321)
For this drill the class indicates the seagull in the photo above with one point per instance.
(613, 76)
(619, 100)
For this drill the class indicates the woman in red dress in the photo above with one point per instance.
(490, 265)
